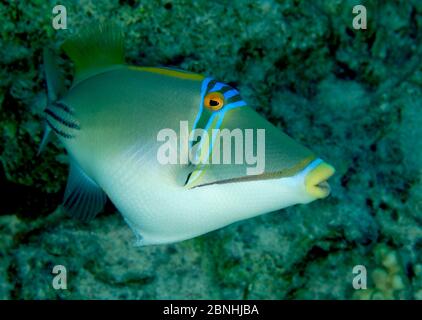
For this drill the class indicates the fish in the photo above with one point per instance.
(109, 121)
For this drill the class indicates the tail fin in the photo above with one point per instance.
(55, 89)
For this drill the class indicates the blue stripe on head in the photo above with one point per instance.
(217, 86)
(230, 93)
(220, 113)
(236, 104)
(207, 127)
(205, 83)
(310, 167)
(214, 133)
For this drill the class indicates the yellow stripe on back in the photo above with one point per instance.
(170, 72)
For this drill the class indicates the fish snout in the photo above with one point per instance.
(316, 183)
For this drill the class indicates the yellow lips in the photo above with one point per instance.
(316, 180)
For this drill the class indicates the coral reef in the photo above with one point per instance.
(353, 96)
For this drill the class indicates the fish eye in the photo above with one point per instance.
(214, 101)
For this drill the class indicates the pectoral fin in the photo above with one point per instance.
(83, 199)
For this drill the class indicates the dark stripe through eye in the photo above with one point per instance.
(211, 85)
(225, 89)
(233, 85)
(235, 98)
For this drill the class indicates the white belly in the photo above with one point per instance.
(161, 211)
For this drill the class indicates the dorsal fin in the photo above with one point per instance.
(95, 49)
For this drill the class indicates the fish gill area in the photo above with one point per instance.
(353, 96)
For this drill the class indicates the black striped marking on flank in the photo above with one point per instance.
(63, 107)
(59, 132)
(64, 122)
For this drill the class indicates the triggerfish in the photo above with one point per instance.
(110, 120)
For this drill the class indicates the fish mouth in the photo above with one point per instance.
(264, 176)
(285, 173)
(316, 180)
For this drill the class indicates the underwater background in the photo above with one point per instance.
(353, 96)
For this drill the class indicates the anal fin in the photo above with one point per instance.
(83, 198)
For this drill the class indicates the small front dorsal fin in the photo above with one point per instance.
(83, 198)
(54, 77)
(55, 90)
(97, 48)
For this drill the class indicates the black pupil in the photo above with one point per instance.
(214, 103)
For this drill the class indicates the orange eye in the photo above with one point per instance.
(214, 101)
